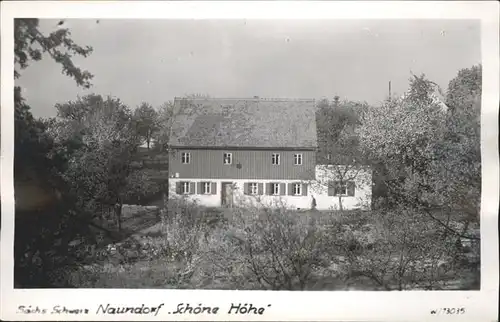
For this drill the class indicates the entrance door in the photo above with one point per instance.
(227, 194)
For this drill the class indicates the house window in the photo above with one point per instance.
(206, 188)
(253, 188)
(297, 159)
(185, 187)
(228, 158)
(340, 188)
(186, 157)
(275, 189)
(275, 159)
(297, 189)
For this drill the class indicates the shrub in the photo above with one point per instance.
(274, 249)
(406, 251)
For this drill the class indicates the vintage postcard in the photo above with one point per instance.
(249, 161)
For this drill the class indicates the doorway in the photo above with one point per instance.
(227, 194)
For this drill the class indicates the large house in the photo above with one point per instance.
(233, 152)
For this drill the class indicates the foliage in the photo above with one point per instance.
(165, 119)
(30, 44)
(103, 165)
(338, 142)
(406, 251)
(431, 155)
(464, 89)
(336, 123)
(282, 250)
(273, 249)
(82, 165)
(146, 119)
(46, 219)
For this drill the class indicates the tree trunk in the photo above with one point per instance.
(165, 194)
(120, 219)
(458, 241)
(118, 214)
(341, 208)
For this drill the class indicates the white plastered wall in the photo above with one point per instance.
(317, 188)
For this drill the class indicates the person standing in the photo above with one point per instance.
(313, 203)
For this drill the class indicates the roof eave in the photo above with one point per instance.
(198, 147)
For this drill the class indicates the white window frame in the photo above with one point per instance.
(297, 159)
(275, 159)
(227, 156)
(185, 184)
(253, 188)
(204, 189)
(297, 189)
(185, 157)
(328, 156)
(275, 191)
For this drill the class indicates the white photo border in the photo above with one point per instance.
(297, 306)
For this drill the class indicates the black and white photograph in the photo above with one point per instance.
(246, 154)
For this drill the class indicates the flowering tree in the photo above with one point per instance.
(432, 154)
(400, 250)
(101, 172)
(272, 249)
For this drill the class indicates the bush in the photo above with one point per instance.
(280, 249)
(272, 249)
(404, 251)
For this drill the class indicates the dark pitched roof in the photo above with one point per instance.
(259, 123)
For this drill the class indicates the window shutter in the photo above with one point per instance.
(261, 188)
(269, 187)
(331, 188)
(178, 188)
(350, 188)
(245, 188)
(213, 188)
(200, 188)
(304, 189)
(290, 189)
(192, 186)
(282, 189)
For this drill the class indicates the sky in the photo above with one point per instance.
(156, 60)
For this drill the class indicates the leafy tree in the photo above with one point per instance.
(429, 170)
(421, 91)
(338, 143)
(32, 143)
(146, 121)
(46, 219)
(103, 165)
(164, 124)
(464, 89)
(31, 44)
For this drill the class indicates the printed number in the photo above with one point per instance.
(448, 311)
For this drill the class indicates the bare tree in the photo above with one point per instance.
(275, 248)
(400, 250)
